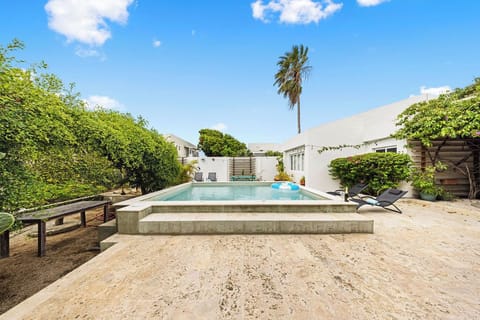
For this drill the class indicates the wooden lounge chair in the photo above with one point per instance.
(384, 200)
(352, 192)
(198, 177)
(212, 176)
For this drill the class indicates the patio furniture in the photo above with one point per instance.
(352, 192)
(198, 177)
(243, 178)
(40, 217)
(212, 176)
(384, 200)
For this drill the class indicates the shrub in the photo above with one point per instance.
(380, 170)
(424, 181)
(186, 172)
(281, 174)
(271, 153)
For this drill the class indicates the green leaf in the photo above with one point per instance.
(6, 221)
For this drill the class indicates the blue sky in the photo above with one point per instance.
(187, 65)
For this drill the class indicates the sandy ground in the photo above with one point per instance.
(424, 264)
(23, 273)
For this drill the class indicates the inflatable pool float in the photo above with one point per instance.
(288, 186)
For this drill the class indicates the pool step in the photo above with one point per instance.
(330, 206)
(106, 229)
(249, 223)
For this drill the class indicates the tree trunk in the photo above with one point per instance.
(298, 116)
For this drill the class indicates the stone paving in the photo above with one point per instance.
(424, 264)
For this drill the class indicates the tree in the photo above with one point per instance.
(271, 153)
(452, 115)
(293, 70)
(141, 154)
(217, 144)
(455, 115)
(53, 148)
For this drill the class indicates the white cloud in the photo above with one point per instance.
(93, 102)
(435, 91)
(85, 53)
(219, 126)
(156, 43)
(370, 3)
(294, 11)
(85, 21)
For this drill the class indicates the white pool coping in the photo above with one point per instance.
(141, 202)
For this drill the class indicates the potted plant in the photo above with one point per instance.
(302, 181)
(424, 182)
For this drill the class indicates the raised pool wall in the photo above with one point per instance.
(131, 212)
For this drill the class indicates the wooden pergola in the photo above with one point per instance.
(462, 178)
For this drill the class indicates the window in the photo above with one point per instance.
(297, 157)
(386, 149)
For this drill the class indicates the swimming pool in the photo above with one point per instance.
(237, 207)
(234, 192)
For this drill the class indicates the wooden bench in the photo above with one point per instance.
(42, 216)
(243, 178)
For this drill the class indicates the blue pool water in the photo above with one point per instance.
(234, 192)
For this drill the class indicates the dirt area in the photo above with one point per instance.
(23, 273)
(423, 264)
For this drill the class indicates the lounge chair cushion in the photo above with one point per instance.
(371, 201)
(395, 191)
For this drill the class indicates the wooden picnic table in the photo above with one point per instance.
(40, 217)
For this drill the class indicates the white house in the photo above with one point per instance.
(259, 149)
(184, 148)
(370, 130)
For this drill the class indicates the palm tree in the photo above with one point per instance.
(293, 69)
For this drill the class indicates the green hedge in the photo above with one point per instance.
(53, 148)
(380, 170)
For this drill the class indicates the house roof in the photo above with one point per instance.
(263, 147)
(173, 138)
(371, 125)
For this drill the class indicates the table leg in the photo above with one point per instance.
(105, 212)
(5, 244)
(42, 237)
(59, 221)
(83, 219)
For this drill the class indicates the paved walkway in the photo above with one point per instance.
(424, 264)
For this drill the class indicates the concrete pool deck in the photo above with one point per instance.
(423, 264)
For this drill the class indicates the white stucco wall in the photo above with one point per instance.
(213, 164)
(370, 129)
(265, 167)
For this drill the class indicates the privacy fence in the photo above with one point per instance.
(462, 178)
